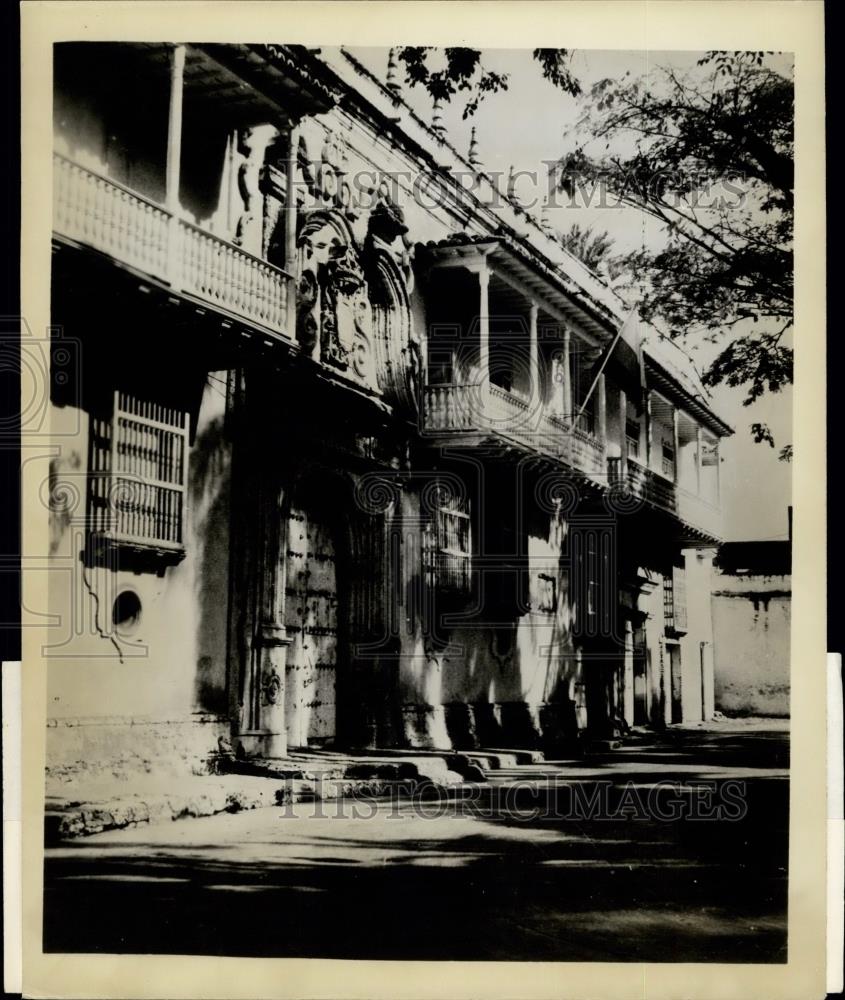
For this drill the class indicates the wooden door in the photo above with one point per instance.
(311, 623)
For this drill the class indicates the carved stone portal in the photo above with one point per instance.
(334, 316)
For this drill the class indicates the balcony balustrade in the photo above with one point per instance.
(649, 485)
(479, 408)
(106, 216)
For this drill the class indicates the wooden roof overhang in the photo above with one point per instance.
(533, 279)
(251, 84)
(658, 378)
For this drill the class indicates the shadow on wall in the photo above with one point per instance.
(209, 491)
(504, 676)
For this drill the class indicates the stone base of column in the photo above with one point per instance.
(265, 745)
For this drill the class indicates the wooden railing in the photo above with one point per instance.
(476, 407)
(109, 217)
(453, 407)
(651, 486)
(575, 446)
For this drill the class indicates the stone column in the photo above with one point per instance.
(676, 445)
(623, 422)
(698, 458)
(534, 360)
(717, 499)
(174, 128)
(270, 640)
(601, 416)
(290, 229)
(628, 673)
(259, 533)
(484, 324)
(567, 376)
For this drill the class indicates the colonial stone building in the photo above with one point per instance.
(350, 451)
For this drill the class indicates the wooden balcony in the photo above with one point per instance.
(469, 412)
(99, 213)
(661, 492)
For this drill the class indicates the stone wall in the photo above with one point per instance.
(82, 752)
(751, 623)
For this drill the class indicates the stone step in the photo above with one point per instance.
(66, 818)
(522, 756)
(330, 766)
(602, 746)
(457, 760)
(110, 808)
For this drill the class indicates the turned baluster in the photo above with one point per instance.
(279, 284)
(154, 254)
(77, 195)
(213, 268)
(123, 242)
(140, 234)
(249, 287)
(190, 263)
(261, 293)
(110, 217)
(225, 275)
(102, 214)
(239, 283)
(75, 187)
(60, 196)
(202, 264)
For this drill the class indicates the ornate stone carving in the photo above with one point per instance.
(271, 688)
(333, 305)
(252, 145)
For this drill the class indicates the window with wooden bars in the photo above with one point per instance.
(592, 586)
(447, 547)
(138, 474)
(675, 600)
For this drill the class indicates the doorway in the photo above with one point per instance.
(311, 620)
(673, 651)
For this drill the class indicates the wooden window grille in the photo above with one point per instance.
(675, 600)
(679, 591)
(138, 474)
(590, 585)
(592, 579)
(447, 547)
(668, 460)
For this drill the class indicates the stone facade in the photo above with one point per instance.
(336, 470)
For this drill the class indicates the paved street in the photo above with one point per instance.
(517, 869)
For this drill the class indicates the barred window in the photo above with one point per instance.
(447, 547)
(675, 600)
(138, 473)
(592, 586)
(679, 589)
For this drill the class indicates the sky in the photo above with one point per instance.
(524, 127)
